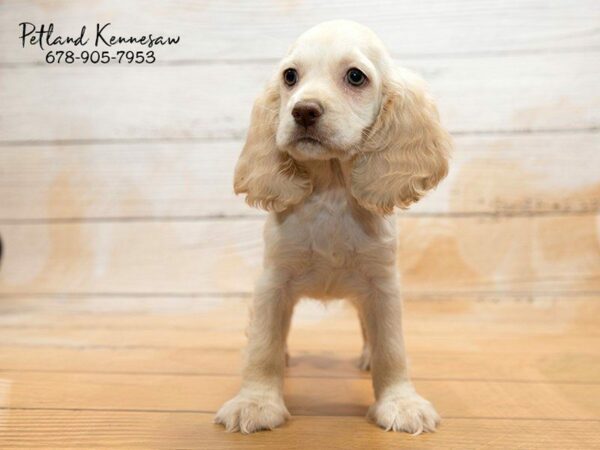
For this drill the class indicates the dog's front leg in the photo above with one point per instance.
(364, 362)
(259, 404)
(397, 406)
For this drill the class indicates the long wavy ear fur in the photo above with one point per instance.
(270, 178)
(405, 152)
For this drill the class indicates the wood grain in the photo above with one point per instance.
(559, 328)
(265, 28)
(476, 360)
(569, 362)
(224, 339)
(499, 93)
(333, 397)
(194, 337)
(462, 254)
(165, 314)
(505, 312)
(167, 430)
(518, 174)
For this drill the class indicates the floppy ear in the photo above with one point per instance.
(270, 178)
(405, 152)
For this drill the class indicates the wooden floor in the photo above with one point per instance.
(128, 262)
(101, 372)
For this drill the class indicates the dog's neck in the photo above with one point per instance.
(332, 175)
(328, 174)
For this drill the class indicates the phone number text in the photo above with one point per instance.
(100, 57)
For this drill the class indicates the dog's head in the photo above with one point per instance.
(337, 94)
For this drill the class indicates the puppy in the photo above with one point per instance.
(338, 139)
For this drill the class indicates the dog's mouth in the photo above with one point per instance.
(308, 140)
(313, 144)
(310, 144)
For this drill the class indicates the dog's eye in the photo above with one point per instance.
(355, 77)
(290, 76)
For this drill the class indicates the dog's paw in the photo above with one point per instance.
(404, 411)
(364, 362)
(248, 413)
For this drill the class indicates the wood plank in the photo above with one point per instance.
(486, 338)
(264, 29)
(436, 255)
(323, 396)
(89, 335)
(300, 338)
(567, 363)
(121, 308)
(499, 312)
(426, 316)
(496, 93)
(497, 174)
(130, 429)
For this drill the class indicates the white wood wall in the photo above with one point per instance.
(116, 180)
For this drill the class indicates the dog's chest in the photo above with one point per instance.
(331, 230)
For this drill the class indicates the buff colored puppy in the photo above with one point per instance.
(339, 137)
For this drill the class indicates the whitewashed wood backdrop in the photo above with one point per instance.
(116, 180)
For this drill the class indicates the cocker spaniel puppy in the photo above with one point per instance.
(339, 138)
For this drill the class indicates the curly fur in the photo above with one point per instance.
(270, 178)
(406, 150)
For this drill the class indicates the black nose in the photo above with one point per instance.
(306, 113)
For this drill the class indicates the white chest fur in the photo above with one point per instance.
(327, 242)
